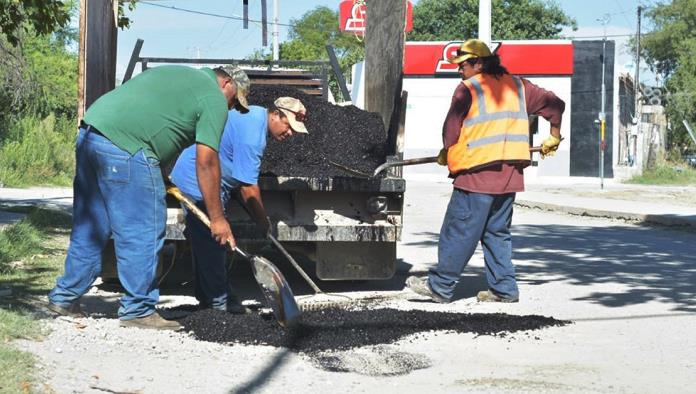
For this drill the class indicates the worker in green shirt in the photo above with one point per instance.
(125, 137)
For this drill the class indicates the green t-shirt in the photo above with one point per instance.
(162, 110)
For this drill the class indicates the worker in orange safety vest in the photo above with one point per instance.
(486, 148)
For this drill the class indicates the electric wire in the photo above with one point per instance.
(208, 13)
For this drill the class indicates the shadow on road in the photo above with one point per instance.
(655, 264)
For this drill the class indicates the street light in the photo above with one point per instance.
(602, 114)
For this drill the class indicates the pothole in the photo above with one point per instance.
(379, 360)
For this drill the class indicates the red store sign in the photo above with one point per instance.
(352, 15)
(543, 57)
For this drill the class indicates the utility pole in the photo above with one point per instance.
(97, 51)
(602, 113)
(275, 31)
(484, 33)
(384, 59)
(636, 91)
(637, 73)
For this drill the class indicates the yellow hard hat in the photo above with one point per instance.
(470, 49)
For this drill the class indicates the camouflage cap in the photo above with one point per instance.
(240, 79)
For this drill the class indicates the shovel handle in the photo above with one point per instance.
(419, 160)
(407, 162)
(191, 206)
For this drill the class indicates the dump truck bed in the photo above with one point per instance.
(348, 226)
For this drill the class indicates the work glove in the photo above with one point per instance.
(549, 146)
(442, 157)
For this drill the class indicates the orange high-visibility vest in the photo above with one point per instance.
(496, 129)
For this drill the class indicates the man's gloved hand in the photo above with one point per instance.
(549, 146)
(442, 157)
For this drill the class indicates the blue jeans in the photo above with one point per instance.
(119, 195)
(212, 287)
(470, 218)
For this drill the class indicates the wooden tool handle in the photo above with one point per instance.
(191, 206)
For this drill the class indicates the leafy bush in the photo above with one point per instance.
(38, 152)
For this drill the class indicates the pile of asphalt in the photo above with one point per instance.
(340, 329)
(343, 134)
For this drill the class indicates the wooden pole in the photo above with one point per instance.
(81, 62)
(97, 57)
(384, 53)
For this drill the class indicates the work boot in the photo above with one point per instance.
(153, 322)
(421, 286)
(235, 307)
(74, 310)
(490, 296)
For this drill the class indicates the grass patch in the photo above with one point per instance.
(16, 241)
(32, 252)
(666, 173)
(38, 152)
(17, 324)
(16, 370)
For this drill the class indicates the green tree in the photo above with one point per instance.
(309, 35)
(444, 20)
(669, 48)
(38, 70)
(41, 16)
(45, 16)
(39, 76)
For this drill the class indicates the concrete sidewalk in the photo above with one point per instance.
(662, 205)
(46, 197)
(51, 197)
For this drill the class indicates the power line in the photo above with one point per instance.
(602, 36)
(623, 13)
(239, 18)
(174, 8)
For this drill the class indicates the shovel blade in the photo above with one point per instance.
(277, 292)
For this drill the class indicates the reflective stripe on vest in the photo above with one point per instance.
(496, 129)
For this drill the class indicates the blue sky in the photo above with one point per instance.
(175, 33)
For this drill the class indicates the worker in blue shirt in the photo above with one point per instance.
(241, 149)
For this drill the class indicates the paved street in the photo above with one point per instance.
(630, 291)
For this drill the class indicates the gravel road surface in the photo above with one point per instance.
(629, 291)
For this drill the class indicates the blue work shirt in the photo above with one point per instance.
(241, 149)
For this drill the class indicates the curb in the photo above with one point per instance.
(663, 220)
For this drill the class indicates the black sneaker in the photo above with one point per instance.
(233, 306)
(490, 296)
(237, 309)
(421, 286)
(74, 310)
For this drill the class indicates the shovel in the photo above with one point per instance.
(407, 162)
(424, 160)
(273, 285)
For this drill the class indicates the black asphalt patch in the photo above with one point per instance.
(340, 329)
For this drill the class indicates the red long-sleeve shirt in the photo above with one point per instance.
(498, 178)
